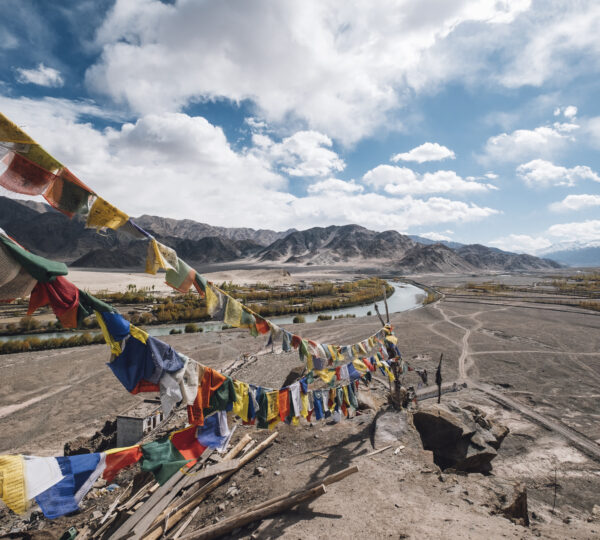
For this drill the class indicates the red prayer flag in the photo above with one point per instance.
(117, 461)
(24, 176)
(62, 296)
(284, 403)
(187, 444)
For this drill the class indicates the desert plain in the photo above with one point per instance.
(533, 367)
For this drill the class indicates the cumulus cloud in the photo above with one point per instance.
(339, 69)
(42, 76)
(333, 186)
(582, 231)
(403, 181)
(305, 153)
(521, 243)
(524, 144)
(176, 165)
(426, 152)
(541, 173)
(575, 202)
(570, 111)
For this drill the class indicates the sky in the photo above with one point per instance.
(475, 121)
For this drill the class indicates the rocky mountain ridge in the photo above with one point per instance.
(49, 233)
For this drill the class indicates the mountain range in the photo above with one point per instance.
(47, 232)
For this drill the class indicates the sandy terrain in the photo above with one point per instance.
(118, 281)
(546, 362)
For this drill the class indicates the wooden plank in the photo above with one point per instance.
(151, 513)
(185, 523)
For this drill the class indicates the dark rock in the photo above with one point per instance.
(517, 510)
(460, 438)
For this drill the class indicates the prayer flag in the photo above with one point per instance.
(62, 296)
(68, 194)
(79, 474)
(12, 483)
(119, 458)
(103, 214)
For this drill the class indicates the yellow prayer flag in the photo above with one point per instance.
(233, 312)
(211, 300)
(11, 133)
(304, 402)
(104, 214)
(240, 406)
(392, 339)
(325, 375)
(159, 256)
(12, 483)
(138, 333)
(272, 405)
(359, 365)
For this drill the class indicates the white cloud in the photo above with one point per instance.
(305, 153)
(426, 152)
(340, 69)
(521, 243)
(582, 231)
(404, 181)
(541, 173)
(591, 131)
(575, 202)
(436, 237)
(175, 165)
(333, 186)
(491, 176)
(524, 144)
(42, 75)
(570, 111)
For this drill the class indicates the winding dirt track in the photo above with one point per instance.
(466, 362)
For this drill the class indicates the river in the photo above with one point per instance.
(404, 298)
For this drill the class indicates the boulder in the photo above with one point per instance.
(460, 438)
(389, 427)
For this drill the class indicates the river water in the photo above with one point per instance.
(404, 298)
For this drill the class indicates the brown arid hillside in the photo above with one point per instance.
(200, 244)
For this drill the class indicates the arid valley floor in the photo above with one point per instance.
(533, 367)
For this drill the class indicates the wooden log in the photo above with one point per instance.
(195, 499)
(379, 314)
(331, 479)
(228, 525)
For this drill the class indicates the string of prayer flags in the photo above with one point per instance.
(105, 215)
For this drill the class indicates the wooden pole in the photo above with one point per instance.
(228, 525)
(379, 314)
(438, 377)
(387, 311)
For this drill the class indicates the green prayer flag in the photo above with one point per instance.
(37, 267)
(162, 459)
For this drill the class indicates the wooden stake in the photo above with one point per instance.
(228, 525)
(377, 451)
